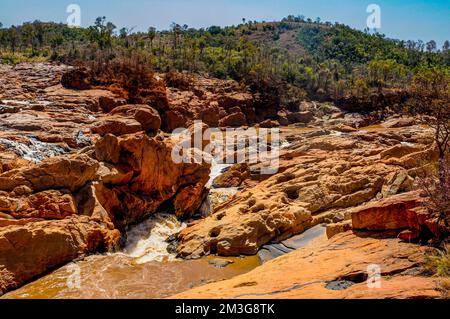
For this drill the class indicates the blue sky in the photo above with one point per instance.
(413, 19)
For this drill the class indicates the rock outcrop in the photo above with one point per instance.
(77, 79)
(39, 246)
(405, 213)
(139, 175)
(79, 165)
(223, 103)
(233, 177)
(65, 207)
(332, 269)
(319, 177)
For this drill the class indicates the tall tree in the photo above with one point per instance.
(151, 32)
(431, 98)
(431, 46)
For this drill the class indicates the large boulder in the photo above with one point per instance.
(29, 250)
(174, 119)
(109, 103)
(399, 212)
(233, 120)
(156, 178)
(239, 99)
(65, 172)
(300, 117)
(147, 116)
(52, 204)
(118, 126)
(233, 177)
(129, 119)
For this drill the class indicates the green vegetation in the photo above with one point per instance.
(284, 61)
(437, 263)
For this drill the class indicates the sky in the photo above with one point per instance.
(405, 20)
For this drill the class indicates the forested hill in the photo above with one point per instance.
(296, 56)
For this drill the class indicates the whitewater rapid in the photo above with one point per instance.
(148, 241)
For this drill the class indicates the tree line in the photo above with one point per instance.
(335, 61)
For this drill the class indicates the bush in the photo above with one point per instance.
(437, 263)
(178, 80)
(127, 74)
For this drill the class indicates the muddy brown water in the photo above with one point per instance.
(143, 269)
(119, 276)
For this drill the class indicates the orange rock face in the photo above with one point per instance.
(232, 177)
(155, 178)
(47, 205)
(392, 213)
(34, 248)
(87, 202)
(71, 172)
(336, 268)
(147, 116)
(77, 79)
(77, 167)
(55, 207)
(321, 175)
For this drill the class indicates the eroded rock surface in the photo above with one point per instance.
(68, 187)
(336, 268)
(78, 165)
(320, 176)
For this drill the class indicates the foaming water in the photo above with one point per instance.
(148, 241)
(35, 151)
(144, 268)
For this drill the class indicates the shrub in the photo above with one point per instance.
(128, 74)
(437, 263)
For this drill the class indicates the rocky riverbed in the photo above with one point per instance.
(87, 183)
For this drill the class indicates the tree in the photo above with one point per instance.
(14, 38)
(151, 35)
(382, 72)
(102, 32)
(446, 46)
(431, 46)
(56, 40)
(431, 100)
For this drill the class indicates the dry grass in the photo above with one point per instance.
(438, 264)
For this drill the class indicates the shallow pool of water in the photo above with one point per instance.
(120, 276)
(143, 269)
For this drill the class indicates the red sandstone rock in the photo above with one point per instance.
(233, 120)
(109, 103)
(233, 177)
(269, 124)
(392, 213)
(147, 116)
(71, 172)
(34, 248)
(47, 205)
(118, 126)
(156, 178)
(307, 272)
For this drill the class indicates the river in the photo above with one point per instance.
(143, 268)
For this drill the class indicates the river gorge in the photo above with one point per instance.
(92, 204)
